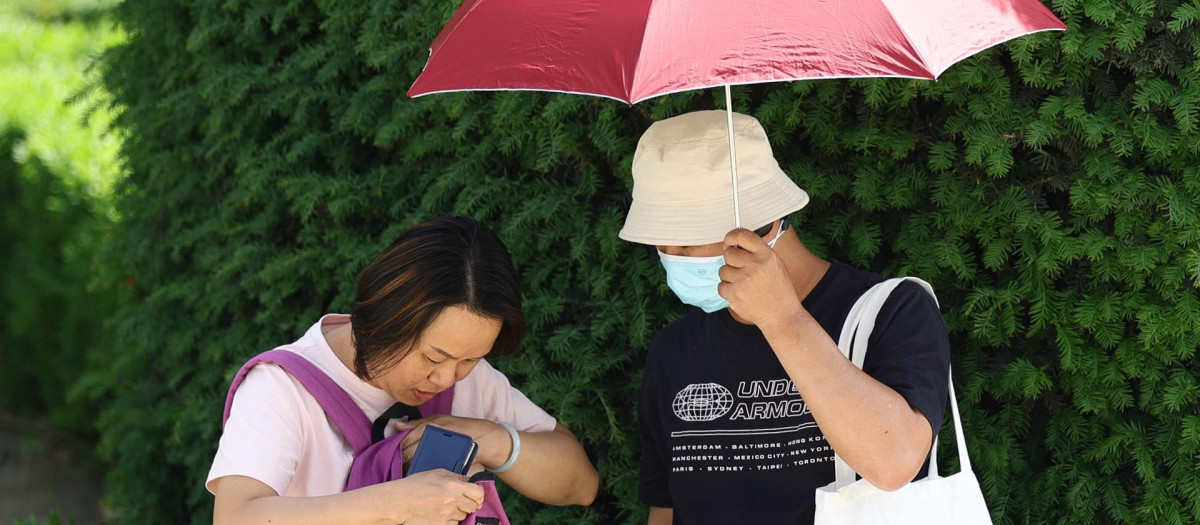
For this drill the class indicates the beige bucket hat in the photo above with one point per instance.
(682, 187)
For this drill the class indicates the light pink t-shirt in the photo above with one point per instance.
(279, 435)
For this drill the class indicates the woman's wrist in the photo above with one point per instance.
(390, 503)
(514, 440)
(499, 446)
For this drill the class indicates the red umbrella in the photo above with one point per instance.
(631, 50)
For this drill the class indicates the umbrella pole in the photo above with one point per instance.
(737, 212)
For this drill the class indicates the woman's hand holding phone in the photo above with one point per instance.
(495, 445)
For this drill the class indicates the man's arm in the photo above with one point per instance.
(868, 424)
(871, 426)
(660, 516)
(653, 472)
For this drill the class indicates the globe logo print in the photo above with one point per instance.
(702, 402)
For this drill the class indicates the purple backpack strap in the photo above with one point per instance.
(339, 408)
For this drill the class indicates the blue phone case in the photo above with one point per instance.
(441, 448)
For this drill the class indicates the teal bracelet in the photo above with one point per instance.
(516, 450)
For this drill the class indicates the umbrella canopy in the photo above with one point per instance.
(631, 50)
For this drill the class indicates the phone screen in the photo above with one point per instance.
(441, 448)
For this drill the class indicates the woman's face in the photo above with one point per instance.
(454, 342)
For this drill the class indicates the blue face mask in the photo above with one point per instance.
(695, 279)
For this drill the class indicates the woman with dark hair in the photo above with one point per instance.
(426, 314)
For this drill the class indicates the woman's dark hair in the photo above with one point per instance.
(442, 262)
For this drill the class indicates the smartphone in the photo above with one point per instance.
(441, 448)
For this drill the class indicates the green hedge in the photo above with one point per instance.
(1048, 189)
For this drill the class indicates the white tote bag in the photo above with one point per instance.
(934, 500)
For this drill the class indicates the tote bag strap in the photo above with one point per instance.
(856, 332)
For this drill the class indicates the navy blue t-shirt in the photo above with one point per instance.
(726, 437)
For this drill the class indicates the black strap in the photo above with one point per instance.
(396, 411)
(483, 475)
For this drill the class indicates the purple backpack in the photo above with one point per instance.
(375, 460)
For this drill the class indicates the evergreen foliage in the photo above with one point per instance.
(1047, 188)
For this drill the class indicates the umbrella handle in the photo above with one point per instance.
(737, 212)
